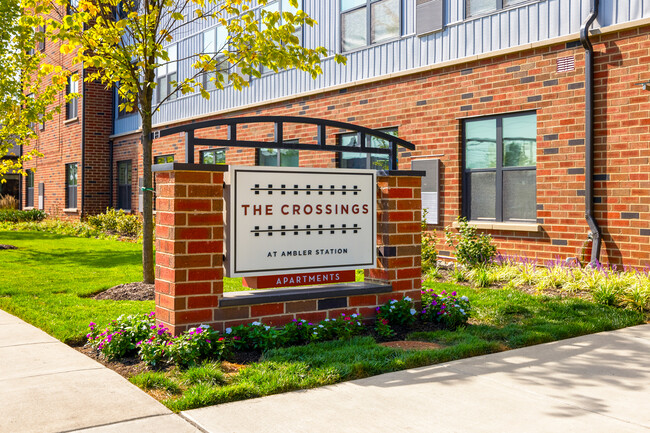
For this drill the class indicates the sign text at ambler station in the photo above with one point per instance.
(295, 219)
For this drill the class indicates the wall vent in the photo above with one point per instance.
(429, 16)
(566, 64)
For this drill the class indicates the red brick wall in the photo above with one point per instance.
(60, 143)
(428, 109)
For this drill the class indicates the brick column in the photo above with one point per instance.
(398, 236)
(189, 244)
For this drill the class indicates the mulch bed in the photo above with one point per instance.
(7, 247)
(128, 292)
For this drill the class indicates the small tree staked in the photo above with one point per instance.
(123, 42)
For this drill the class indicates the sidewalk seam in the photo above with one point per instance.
(114, 423)
(54, 373)
(193, 422)
(31, 344)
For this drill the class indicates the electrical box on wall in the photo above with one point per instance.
(430, 186)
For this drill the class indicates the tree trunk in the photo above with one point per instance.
(148, 275)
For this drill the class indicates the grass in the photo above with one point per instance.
(504, 319)
(49, 279)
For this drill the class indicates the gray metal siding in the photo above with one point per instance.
(529, 22)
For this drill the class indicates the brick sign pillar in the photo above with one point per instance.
(189, 245)
(398, 235)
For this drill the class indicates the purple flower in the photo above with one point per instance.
(453, 293)
(153, 327)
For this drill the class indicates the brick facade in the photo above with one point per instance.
(428, 109)
(189, 257)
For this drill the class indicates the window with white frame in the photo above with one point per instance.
(71, 106)
(71, 185)
(367, 22)
(215, 42)
(166, 75)
(481, 7)
(500, 158)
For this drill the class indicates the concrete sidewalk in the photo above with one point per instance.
(46, 386)
(596, 383)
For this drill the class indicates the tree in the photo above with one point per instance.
(123, 42)
(28, 90)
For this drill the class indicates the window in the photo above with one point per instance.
(213, 156)
(166, 75)
(29, 189)
(163, 159)
(71, 105)
(282, 6)
(41, 43)
(365, 160)
(480, 7)
(279, 157)
(72, 7)
(500, 168)
(122, 104)
(215, 41)
(71, 186)
(124, 185)
(367, 22)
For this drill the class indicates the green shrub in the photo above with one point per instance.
(449, 310)
(429, 250)
(18, 216)
(116, 221)
(471, 248)
(122, 336)
(398, 313)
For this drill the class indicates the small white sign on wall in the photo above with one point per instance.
(285, 220)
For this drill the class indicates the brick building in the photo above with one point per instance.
(495, 92)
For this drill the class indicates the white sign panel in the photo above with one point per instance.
(285, 220)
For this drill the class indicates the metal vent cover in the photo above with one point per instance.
(566, 64)
(429, 16)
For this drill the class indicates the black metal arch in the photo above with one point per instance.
(278, 143)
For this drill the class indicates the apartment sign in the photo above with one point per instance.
(289, 220)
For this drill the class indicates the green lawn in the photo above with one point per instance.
(47, 282)
(48, 279)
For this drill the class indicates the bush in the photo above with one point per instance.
(449, 310)
(121, 337)
(8, 202)
(398, 313)
(472, 249)
(18, 216)
(116, 221)
(429, 250)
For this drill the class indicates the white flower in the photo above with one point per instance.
(256, 323)
(392, 307)
(191, 330)
(393, 301)
(456, 305)
(267, 327)
(320, 326)
(326, 320)
(354, 316)
(359, 323)
(462, 311)
(228, 330)
(205, 326)
(406, 298)
(464, 298)
(412, 311)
